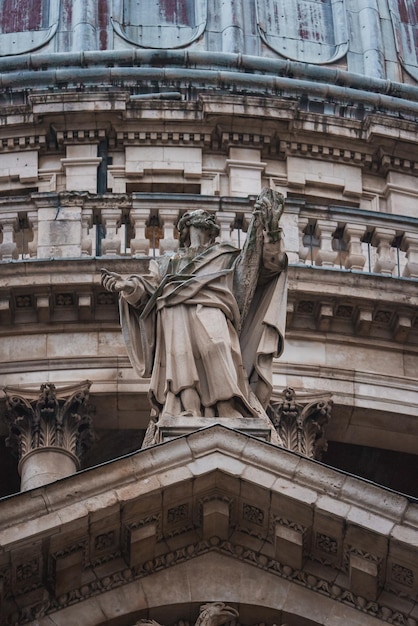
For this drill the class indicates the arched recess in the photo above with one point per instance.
(27, 24)
(175, 593)
(313, 31)
(161, 24)
(404, 16)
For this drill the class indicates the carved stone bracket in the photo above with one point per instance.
(301, 424)
(51, 426)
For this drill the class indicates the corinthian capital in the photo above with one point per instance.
(51, 418)
(301, 422)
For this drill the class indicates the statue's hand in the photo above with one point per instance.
(274, 259)
(269, 207)
(114, 282)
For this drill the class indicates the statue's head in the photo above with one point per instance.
(199, 219)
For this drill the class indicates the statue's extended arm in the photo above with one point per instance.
(114, 282)
(130, 289)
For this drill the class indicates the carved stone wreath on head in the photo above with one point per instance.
(199, 219)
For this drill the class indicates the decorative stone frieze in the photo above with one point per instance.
(240, 554)
(325, 152)
(301, 424)
(77, 136)
(23, 142)
(165, 138)
(244, 139)
(49, 431)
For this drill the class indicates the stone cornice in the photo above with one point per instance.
(184, 452)
(361, 305)
(303, 278)
(300, 132)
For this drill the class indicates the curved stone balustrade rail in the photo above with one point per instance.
(75, 225)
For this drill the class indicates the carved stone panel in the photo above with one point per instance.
(26, 25)
(405, 28)
(161, 24)
(304, 30)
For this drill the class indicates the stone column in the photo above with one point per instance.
(225, 220)
(304, 251)
(111, 244)
(353, 234)
(86, 224)
(8, 249)
(169, 218)
(49, 431)
(326, 256)
(410, 245)
(33, 245)
(139, 244)
(382, 239)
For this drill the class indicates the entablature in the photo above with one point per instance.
(358, 305)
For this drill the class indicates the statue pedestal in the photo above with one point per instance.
(178, 425)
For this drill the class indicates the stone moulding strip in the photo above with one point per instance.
(23, 142)
(95, 61)
(62, 78)
(236, 551)
(185, 451)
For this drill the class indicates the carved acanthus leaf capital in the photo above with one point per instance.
(301, 423)
(51, 418)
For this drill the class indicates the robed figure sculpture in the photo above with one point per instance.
(206, 322)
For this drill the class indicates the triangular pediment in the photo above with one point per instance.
(197, 519)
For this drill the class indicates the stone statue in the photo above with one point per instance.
(206, 322)
(211, 614)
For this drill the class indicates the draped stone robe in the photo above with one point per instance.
(181, 325)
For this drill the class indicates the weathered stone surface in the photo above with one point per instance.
(196, 328)
(132, 535)
(104, 145)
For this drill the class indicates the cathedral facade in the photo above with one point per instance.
(117, 118)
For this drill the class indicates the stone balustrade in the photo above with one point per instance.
(74, 225)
